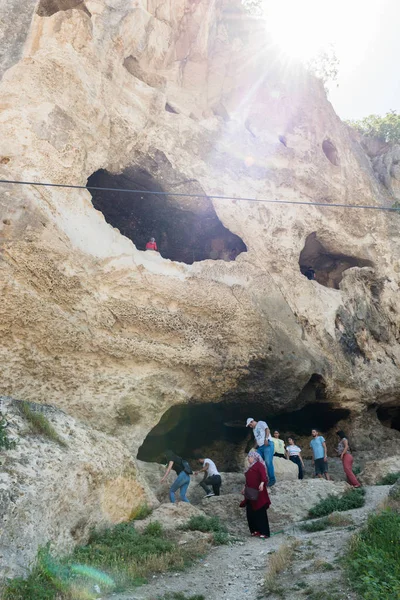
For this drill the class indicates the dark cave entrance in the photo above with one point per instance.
(185, 229)
(218, 430)
(389, 416)
(328, 266)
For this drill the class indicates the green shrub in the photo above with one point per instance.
(332, 520)
(220, 538)
(39, 423)
(373, 561)
(5, 442)
(154, 529)
(140, 513)
(206, 524)
(389, 479)
(115, 559)
(352, 499)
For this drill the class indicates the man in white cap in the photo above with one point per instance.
(264, 446)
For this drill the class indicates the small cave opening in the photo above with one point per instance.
(186, 229)
(331, 152)
(389, 416)
(327, 268)
(47, 8)
(218, 430)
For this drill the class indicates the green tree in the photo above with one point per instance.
(386, 128)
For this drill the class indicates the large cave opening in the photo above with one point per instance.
(186, 229)
(389, 416)
(327, 268)
(218, 430)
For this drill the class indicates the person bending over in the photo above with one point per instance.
(211, 477)
(183, 470)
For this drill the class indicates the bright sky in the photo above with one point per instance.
(366, 38)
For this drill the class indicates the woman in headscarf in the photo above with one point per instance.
(182, 481)
(256, 498)
(343, 450)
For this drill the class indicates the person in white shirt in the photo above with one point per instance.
(264, 446)
(211, 477)
(294, 454)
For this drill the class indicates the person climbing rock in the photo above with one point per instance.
(294, 454)
(279, 445)
(256, 498)
(183, 471)
(264, 445)
(211, 477)
(310, 273)
(151, 245)
(343, 450)
(320, 455)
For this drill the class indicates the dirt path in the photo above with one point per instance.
(236, 572)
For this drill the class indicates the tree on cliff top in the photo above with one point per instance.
(386, 128)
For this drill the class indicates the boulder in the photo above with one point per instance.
(291, 501)
(170, 516)
(375, 470)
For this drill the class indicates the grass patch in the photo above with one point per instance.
(321, 565)
(373, 560)
(140, 513)
(278, 562)
(40, 424)
(352, 499)
(208, 525)
(181, 596)
(5, 442)
(389, 479)
(114, 560)
(332, 520)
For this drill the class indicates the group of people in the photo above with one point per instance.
(260, 474)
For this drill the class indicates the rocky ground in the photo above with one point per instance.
(238, 571)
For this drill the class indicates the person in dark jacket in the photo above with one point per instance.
(256, 488)
(182, 481)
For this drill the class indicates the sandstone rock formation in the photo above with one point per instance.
(186, 97)
(55, 493)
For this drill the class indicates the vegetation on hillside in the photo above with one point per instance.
(373, 561)
(39, 423)
(208, 524)
(5, 442)
(389, 479)
(385, 128)
(116, 559)
(352, 499)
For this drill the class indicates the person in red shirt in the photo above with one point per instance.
(151, 245)
(256, 498)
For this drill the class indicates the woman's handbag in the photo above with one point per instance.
(251, 493)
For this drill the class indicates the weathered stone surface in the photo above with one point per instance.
(375, 470)
(291, 501)
(171, 516)
(50, 492)
(115, 336)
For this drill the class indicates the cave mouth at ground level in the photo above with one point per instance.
(186, 229)
(327, 268)
(218, 430)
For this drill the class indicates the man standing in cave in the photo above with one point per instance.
(211, 477)
(320, 455)
(264, 446)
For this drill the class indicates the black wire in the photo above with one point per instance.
(206, 196)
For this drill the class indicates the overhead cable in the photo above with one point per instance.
(204, 196)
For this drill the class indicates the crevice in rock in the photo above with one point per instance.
(47, 8)
(186, 229)
(389, 416)
(328, 266)
(331, 152)
(171, 109)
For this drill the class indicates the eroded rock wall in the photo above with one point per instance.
(191, 93)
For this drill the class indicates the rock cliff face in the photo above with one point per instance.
(186, 97)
